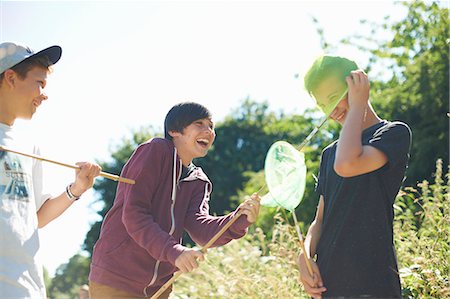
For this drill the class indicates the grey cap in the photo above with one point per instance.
(12, 54)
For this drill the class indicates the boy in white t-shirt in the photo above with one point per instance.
(23, 206)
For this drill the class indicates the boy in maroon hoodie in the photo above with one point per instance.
(139, 247)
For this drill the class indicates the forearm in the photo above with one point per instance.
(349, 147)
(310, 275)
(203, 227)
(312, 238)
(52, 209)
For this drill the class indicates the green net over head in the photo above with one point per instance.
(325, 80)
(285, 172)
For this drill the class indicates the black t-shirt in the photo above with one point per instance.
(355, 253)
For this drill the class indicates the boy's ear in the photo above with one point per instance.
(174, 134)
(10, 77)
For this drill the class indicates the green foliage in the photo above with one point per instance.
(418, 90)
(243, 139)
(262, 266)
(253, 267)
(47, 279)
(305, 211)
(422, 231)
(69, 278)
(259, 266)
(239, 151)
(417, 56)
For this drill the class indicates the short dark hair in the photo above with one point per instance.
(182, 115)
(25, 66)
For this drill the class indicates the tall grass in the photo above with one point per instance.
(253, 267)
(258, 267)
(422, 230)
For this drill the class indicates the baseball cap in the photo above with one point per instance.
(12, 54)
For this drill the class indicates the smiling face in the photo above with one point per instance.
(195, 140)
(21, 93)
(331, 97)
(29, 92)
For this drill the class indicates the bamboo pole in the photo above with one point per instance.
(313, 132)
(204, 249)
(178, 274)
(102, 173)
(302, 244)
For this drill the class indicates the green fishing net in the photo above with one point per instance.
(325, 81)
(285, 172)
(285, 168)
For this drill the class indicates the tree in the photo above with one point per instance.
(47, 280)
(418, 90)
(236, 165)
(243, 139)
(69, 278)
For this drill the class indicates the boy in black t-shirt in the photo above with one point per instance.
(360, 176)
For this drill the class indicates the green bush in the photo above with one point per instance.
(258, 266)
(252, 267)
(264, 265)
(422, 231)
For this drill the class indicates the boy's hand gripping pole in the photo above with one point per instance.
(204, 249)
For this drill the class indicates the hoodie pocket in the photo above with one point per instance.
(129, 261)
(117, 246)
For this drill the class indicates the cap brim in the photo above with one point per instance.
(53, 53)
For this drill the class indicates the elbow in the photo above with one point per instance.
(41, 220)
(42, 223)
(343, 168)
(315, 227)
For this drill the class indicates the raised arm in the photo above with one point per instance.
(352, 158)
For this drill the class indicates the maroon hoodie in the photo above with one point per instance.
(141, 234)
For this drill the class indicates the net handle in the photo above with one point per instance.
(313, 132)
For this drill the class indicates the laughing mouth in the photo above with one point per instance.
(203, 142)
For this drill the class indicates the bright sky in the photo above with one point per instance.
(124, 64)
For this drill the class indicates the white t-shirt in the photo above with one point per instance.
(21, 195)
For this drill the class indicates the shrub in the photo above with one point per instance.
(422, 238)
(261, 267)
